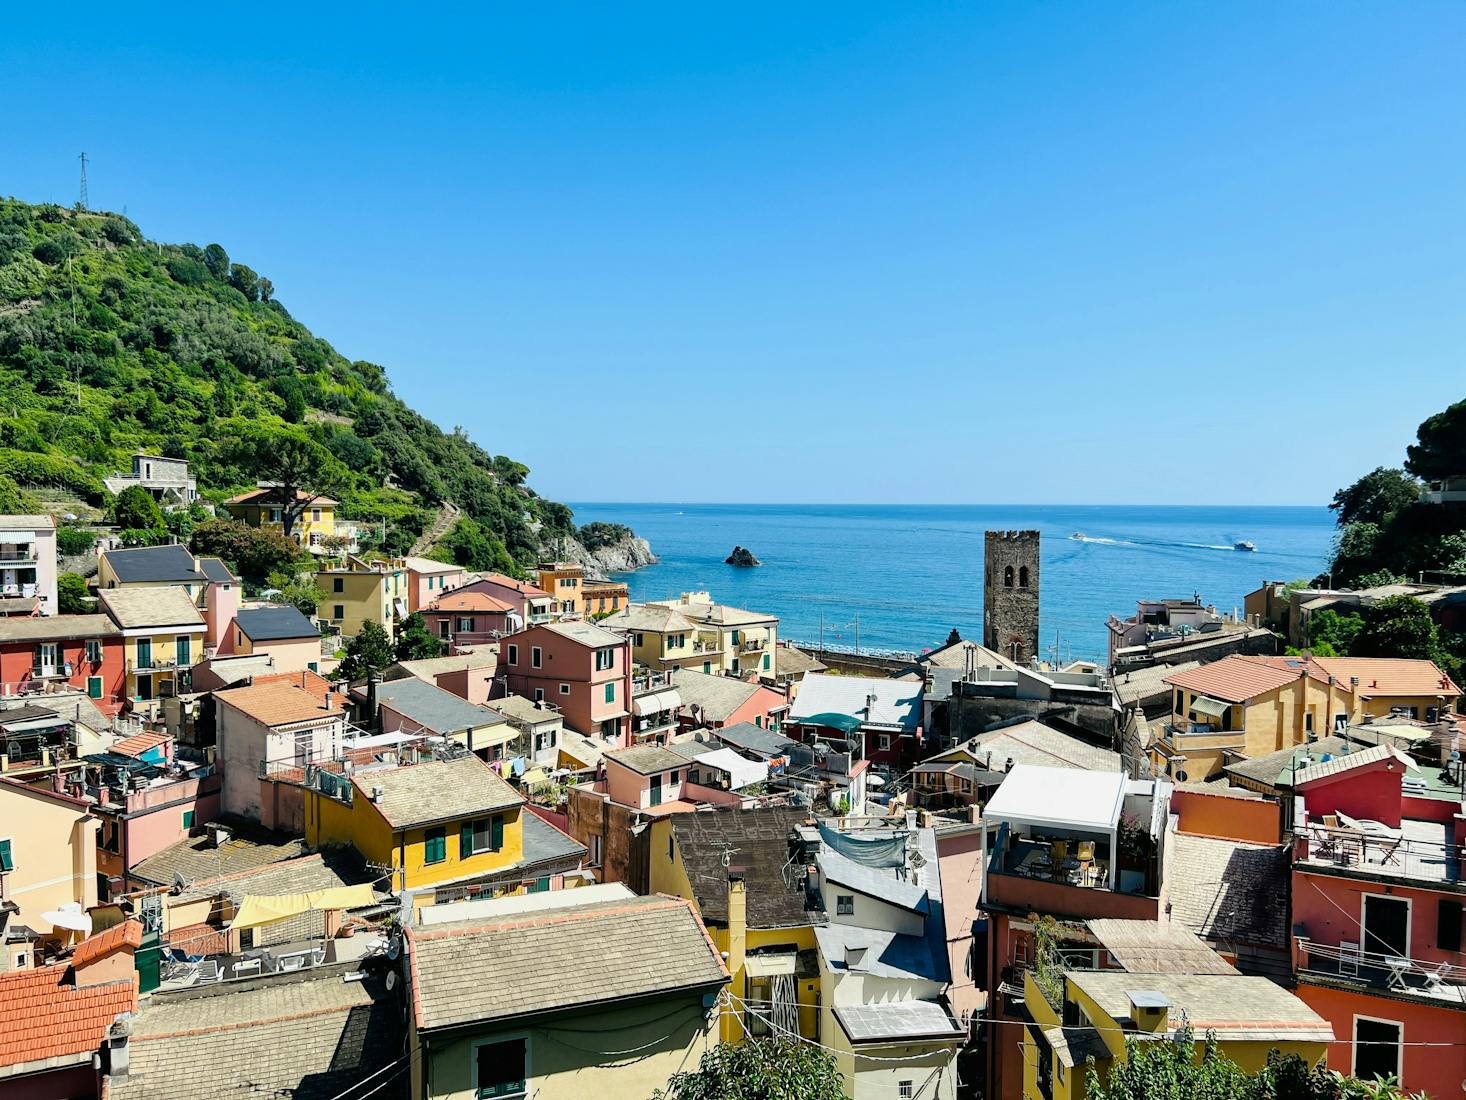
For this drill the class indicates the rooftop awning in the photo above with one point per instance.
(1214, 708)
(656, 703)
(842, 722)
(770, 966)
(258, 909)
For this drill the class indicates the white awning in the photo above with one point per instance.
(770, 966)
(656, 703)
(741, 772)
(1214, 707)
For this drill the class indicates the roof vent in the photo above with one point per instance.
(377, 793)
(854, 957)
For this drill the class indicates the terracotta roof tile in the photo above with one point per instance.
(469, 601)
(279, 703)
(140, 743)
(127, 934)
(47, 1017)
(1237, 679)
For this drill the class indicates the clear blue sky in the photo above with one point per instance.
(981, 252)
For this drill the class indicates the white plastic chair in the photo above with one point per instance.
(1349, 958)
(245, 966)
(1435, 980)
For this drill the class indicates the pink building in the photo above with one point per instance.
(581, 668)
(428, 579)
(218, 602)
(468, 618)
(532, 605)
(468, 675)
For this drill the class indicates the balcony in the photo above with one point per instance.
(157, 664)
(1348, 964)
(650, 681)
(753, 645)
(18, 555)
(1421, 850)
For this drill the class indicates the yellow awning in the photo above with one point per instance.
(535, 777)
(258, 909)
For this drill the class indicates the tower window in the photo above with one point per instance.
(1008, 576)
(1023, 576)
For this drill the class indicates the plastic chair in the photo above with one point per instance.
(1349, 958)
(209, 971)
(1086, 851)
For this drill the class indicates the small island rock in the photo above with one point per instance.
(741, 557)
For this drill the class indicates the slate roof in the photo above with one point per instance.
(649, 617)
(46, 628)
(429, 566)
(955, 656)
(755, 739)
(436, 791)
(317, 871)
(273, 624)
(429, 706)
(154, 565)
(1033, 742)
(897, 702)
(844, 871)
(762, 839)
(647, 759)
(587, 634)
(1337, 765)
(792, 661)
(216, 571)
(1157, 947)
(1235, 1006)
(716, 696)
(517, 708)
(133, 608)
(430, 667)
(1142, 684)
(308, 1035)
(194, 858)
(492, 970)
(48, 1017)
(1228, 891)
(896, 1021)
(887, 954)
(543, 843)
(1276, 768)
(717, 614)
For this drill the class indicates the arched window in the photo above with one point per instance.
(1023, 576)
(1008, 577)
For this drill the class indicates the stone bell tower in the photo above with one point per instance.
(1010, 594)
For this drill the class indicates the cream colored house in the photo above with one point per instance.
(745, 639)
(162, 638)
(48, 858)
(662, 638)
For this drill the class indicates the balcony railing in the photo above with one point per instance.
(10, 556)
(1350, 962)
(752, 645)
(651, 681)
(157, 664)
(1387, 853)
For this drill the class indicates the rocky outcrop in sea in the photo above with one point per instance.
(741, 557)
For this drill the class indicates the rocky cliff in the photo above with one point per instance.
(620, 555)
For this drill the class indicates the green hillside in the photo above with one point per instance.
(110, 343)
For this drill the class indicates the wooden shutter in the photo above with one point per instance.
(1448, 925)
(465, 840)
(496, 833)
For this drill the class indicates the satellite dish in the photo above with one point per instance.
(391, 979)
(393, 952)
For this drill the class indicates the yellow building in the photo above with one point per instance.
(434, 823)
(48, 859)
(601, 598)
(563, 580)
(1103, 1009)
(663, 638)
(162, 639)
(315, 528)
(746, 639)
(755, 915)
(361, 591)
(1242, 707)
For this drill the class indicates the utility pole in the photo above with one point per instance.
(83, 201)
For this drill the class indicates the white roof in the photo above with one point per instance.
(741, 772)
(490, 908)
(1061, 797)
(897, 703)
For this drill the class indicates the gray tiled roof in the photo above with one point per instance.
(868, 880)
(44, 628)
(272, 624)
(717, 696)
(319, 871)
(887, 954)
(791, 661)
(499, 970)
(1157, 947)
(647, 759)
(141, 607)
(154, 565)
(1275, 768)
(896, 1020)
(309, 1036)
(755, 739)
(434, 709)
(761, 837)
(436, 790)
(1236, 1006)
(216, 571)
(196, 858)
(1229, 891)
(543, 843)
(587, 634)
(1033, 742)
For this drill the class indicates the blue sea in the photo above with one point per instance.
(903, 576)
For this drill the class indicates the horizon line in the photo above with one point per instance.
(947, 504)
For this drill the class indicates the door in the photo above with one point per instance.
(656, 790)
(1386, 925)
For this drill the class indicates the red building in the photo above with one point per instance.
(467, 618)
(582, 669)
(1377, 901)
(83, 652)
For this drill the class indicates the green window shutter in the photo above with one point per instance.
(465, 840)
(496, 833)
(766, 662)
(188, 819)
(94, 687)
(435, 846)
(707, 666)
(611, 692)
(7, 861)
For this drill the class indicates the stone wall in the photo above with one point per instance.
(1010, 593)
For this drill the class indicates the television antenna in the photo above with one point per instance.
(82, 202)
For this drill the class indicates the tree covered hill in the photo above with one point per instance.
(110, 344)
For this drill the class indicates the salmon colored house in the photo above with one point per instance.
(582, 669)
(1377, 904)
(84, 652)
(468, 618)
(428, 579)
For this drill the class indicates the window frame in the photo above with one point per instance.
(7, 854)
(439, 834)
(844, 905)
(610, 691)
(536, 657)
(477, 1091)
(513, 654)
(1398, 1025)
(564, 689)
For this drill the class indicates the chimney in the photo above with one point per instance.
(58, 782)
(737, 919)
(1149, 1011)
(854, 957)
(374, 681)
(116, 1044)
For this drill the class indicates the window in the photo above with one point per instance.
(435, 846)
(315, 515)
(707, 666)
(94, 687)
(883, 741)
(94, 651)
(339, 612)
(611, 729)
(514, 655)
(767, 664)
(605, 659)
(536, 657)
(539, 695)
(595, 849)
(1023, 576)
(7, 857)
(181, 650)
(611, 692)
(1008, 577)
(338, 584)
(903, 1089)
(145, 653)
(844, 905)
(735, 637)
(564, 689)
(638, 640)
(483, 835)
(1377, 1047)
(1448, 925)
(499, 1070)
(188, 819)
(538, 886)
